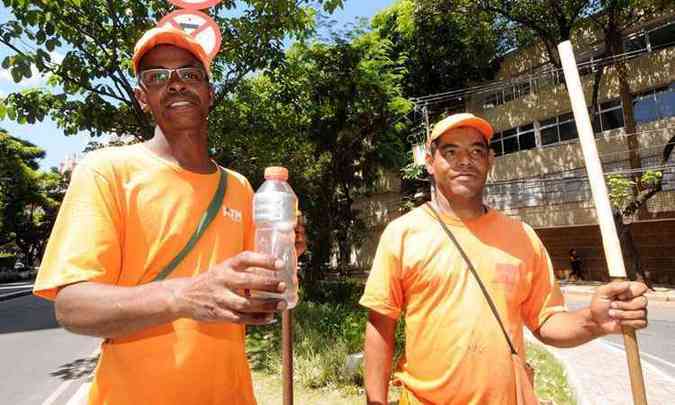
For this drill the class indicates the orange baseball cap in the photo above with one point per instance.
(461, 120)
(168, 35)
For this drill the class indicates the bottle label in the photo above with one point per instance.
(274, 206)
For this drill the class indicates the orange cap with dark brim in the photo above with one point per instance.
(168, 35)
(461, 120)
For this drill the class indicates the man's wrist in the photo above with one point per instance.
(591, 325)
(172, 300)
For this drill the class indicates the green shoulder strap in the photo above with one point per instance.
(207, 218)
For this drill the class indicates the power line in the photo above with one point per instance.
(528, 78)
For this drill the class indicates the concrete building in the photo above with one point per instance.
(540, 175)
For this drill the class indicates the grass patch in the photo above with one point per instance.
(329, 325)
(550, 381)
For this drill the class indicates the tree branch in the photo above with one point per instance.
(641, 199)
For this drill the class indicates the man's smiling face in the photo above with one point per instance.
(460, 163)
(179, 103)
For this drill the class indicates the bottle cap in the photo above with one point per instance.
(276, 173)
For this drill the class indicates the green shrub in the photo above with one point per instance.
(7, 261)
(329, 325)
(335, 292)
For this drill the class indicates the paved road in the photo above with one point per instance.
(38, 357)
(10, 289)
(657, 342)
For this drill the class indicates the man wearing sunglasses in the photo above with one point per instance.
(128, 215)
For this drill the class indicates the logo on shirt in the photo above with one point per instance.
(507, 275)
(233, 214)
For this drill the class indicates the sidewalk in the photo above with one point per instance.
(598, 374)
(660, 293)
(598, 371)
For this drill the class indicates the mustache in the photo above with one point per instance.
(467, 172)
(185, 95)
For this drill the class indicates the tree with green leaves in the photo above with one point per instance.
(29, 198)
(334, 114)
(446, 47)
(90, 87)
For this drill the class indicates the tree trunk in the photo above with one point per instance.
(634, 270)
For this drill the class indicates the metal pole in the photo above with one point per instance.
(596, 178)
(287, 355)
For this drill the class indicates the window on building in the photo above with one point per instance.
(644, 107)
(510, 141)
(662, 37)
(493, 99)
(665, 102)
(609, 116)
(559, 129)
(523, 89)
(549, 131)
(638, 42)
(496, 144)
(509, 93)
(526, 137)
(514, 140)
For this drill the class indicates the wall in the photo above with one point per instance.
(655, 241)
(646, 72)
(544, 162)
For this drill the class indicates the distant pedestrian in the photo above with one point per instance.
(576, 263)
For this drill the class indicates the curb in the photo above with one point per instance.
(652, 296)
(15, 295)
(580, 396)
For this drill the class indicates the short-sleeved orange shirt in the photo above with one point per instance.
(126, 214)
(455, 352)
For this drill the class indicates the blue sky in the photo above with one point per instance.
(57, 146)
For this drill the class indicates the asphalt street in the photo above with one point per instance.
(42, 364)
(12, 289)
(39, 359)
(657, 342)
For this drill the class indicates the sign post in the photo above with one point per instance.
(199, 25)
(610, 240)
(194, 4)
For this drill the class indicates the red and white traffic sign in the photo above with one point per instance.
(194, 4)
(202, 28)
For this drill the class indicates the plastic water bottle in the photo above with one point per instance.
(275, 215)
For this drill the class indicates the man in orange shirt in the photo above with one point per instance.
(455, 350)
(127, 214)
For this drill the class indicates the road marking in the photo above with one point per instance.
(56, 394)
(64, 386)
(80, 396)
(16, 287)
(618, 347)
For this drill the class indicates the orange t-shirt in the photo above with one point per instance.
(126, 214)
(455, 352)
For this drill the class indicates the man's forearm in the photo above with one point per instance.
(569, 329)
(109, 311)
(379, 350)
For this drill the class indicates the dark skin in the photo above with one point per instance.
(216, 295)
(180, 110)
(459, 165)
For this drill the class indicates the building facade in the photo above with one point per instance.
(540, 176)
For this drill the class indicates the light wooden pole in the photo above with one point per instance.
(610, 240)
(287, 355)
